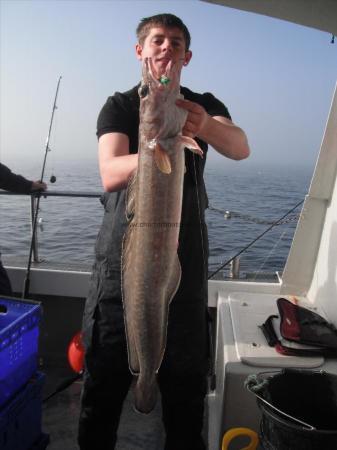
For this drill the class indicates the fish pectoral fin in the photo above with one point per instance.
(162, 159)
(130, 196)
(191, 144)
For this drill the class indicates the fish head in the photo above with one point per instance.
(160, 117)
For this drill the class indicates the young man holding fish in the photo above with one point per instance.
(163, 42)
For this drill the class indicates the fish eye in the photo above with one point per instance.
(143, 90)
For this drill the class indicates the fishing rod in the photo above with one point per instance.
(25, 291)
(254, 240)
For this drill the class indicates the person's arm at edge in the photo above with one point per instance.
(116, 164)
(12, 182)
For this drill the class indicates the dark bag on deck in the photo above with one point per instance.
(302, 332)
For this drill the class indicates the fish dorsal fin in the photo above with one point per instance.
(162, 159)
(130, 196)
(191, 144)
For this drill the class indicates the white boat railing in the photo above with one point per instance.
(233, 264)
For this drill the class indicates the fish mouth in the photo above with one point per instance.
(162, 66)
(163, 62)
(155, 68)
(164, 59)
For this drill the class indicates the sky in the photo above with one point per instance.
(276, 78)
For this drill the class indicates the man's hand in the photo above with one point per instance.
(219, 132)
(38, 186)
(196, 119)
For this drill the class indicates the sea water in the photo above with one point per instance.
(254, 198)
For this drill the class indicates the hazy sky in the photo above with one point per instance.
(276, 78)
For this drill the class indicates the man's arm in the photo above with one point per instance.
(219, 132)
(116, 164)
(18, 184)
(226, 137)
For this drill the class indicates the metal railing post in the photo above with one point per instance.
(35, 240)
(234, 268)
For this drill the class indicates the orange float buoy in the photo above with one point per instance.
(76, 353)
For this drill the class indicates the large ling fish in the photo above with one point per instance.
(150, 266)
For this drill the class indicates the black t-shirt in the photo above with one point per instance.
(120, 114)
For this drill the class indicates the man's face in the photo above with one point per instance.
(164, 45)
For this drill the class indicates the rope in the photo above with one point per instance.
(256, 239)
(245, 217)
(272, 251)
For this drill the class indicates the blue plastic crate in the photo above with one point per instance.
(19, 332)
(20, 419)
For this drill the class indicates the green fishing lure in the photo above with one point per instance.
(164, 80)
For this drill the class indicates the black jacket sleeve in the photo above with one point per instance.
(9, 181)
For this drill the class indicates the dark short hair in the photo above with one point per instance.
(164, 20)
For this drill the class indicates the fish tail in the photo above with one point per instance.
(145, 394)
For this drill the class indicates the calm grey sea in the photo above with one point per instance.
(70, 225)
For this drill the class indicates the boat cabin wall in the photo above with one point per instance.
(311, 268)
(323, 289)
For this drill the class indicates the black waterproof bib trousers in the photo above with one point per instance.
(182, 377)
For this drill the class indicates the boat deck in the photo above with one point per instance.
(60, 417)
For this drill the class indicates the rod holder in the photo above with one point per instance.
(33, 211)
(234, 268)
